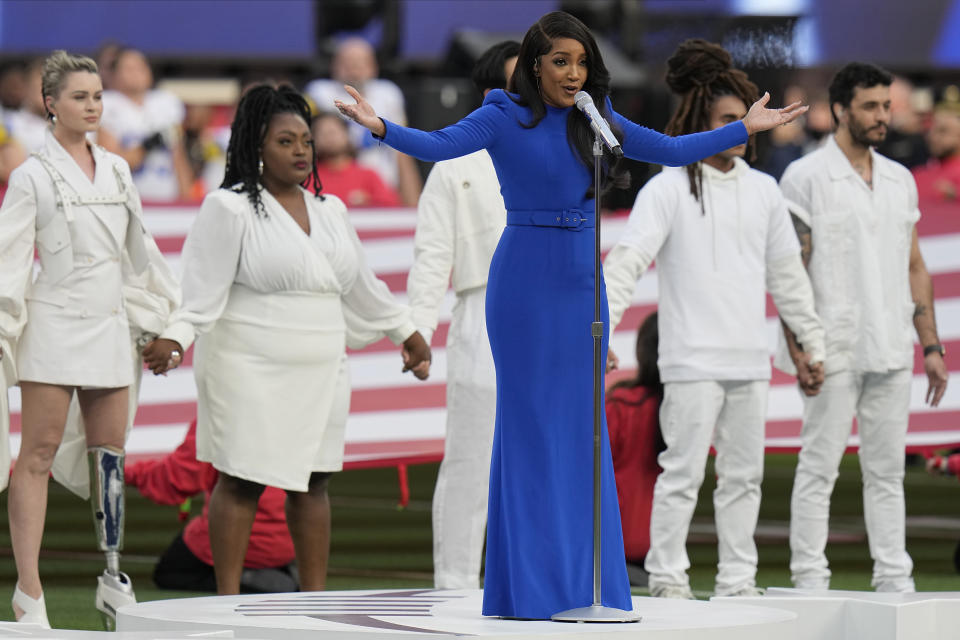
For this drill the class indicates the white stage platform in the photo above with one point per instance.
(391, 614)
(15, 630)
(865, 615)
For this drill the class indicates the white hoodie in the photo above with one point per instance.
(714, 270)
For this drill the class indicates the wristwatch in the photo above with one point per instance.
(931, 348)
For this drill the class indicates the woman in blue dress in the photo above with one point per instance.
(540, 307)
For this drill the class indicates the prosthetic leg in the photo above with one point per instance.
(114, 589)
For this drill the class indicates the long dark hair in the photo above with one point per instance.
(648, 374)
(257, 106)
(538, 42)
(700, 72)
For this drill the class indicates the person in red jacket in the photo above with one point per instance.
(338, 170)
(187, 564)
(633, 423)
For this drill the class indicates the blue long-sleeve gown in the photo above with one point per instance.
(539, 557)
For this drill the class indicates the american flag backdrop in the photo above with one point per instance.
(396, 419)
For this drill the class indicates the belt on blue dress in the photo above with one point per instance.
(574, 219)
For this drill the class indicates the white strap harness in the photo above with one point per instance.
(67, 198)
(55, 234)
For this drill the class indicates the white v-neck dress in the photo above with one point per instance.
(273, 310)
(74, 329)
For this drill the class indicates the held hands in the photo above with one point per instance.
(937, 375)
(759, 118)
(361, 112)
(809, 376)
(416, 356)
(613, 362)
(162, 355)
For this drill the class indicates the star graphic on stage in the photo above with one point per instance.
(360, 610)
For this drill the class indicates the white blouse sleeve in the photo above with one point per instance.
(433, 248)
(369, 309)
(17, 236)
(151, 296)
(211, 256)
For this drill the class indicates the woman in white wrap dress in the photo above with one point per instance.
(276, 286)
(67, 332)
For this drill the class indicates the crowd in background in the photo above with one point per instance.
(175, 144)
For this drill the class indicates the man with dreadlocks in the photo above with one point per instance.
(276, 285)
(721, 235)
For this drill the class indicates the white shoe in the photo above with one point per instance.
(34, 609)
(814, 584)
(672, 591)
(113, 592)
(743, 592)
(897, 585)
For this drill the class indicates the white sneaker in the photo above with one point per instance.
(898, 585)
(812, 585)
(743, 592)
(113, 592)
(34, 609)
(680, 592)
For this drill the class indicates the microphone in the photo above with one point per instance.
(600, 127)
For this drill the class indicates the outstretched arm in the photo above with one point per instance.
(361, 112)
(759, 118)
(472, 133)
(647, 145)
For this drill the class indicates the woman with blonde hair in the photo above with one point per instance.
(67, 332)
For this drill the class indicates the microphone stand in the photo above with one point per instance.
(596, 612)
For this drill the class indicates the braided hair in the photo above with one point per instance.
(700, 72)
(257, 107)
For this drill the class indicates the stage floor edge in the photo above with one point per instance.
(389, 614)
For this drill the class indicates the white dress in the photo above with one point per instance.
(274, 309)
(70, 324)
(149, 299)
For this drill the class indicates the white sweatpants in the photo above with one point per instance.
(731, 414)
(881, 404)
(460, 497)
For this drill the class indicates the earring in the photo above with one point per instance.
(53, 119)
(260, 166)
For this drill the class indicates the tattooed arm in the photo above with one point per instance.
(809, 376)
(924, 321)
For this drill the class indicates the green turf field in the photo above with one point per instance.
(375, 544)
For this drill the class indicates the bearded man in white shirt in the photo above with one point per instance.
(721, 235)
(855, 215)
(459, 221)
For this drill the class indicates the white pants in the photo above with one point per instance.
(460, 497)
(881, 404)
(731, 414)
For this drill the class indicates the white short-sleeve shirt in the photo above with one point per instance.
(861, 255)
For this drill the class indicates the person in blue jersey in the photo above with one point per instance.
(540, 307)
